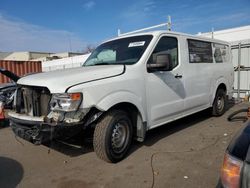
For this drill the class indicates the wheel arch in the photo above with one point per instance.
(219, 85)
(130, 103)
(139, 126)
(123, 99)
(222, 86)
(135, 113)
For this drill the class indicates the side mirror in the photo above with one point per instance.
(162, 63)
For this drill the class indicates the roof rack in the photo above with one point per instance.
(168, 24)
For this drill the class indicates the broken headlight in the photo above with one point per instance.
(67, 102)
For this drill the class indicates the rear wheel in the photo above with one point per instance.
(219, 105)
(112, 136)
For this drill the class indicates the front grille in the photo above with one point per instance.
(33, 101)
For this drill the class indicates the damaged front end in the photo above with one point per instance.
(39, 116)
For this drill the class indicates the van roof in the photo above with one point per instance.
(160, 32)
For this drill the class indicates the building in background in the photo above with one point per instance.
(231, 35)
(64, 63)
(35, 56)
(61, 55)
(22, 56)
(239, 39)
(23, 63)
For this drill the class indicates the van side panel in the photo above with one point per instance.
(202, 79)
(198, 78)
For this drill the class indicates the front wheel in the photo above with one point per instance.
(113, 136)
(219, 105)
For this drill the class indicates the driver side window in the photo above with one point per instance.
(166, 45)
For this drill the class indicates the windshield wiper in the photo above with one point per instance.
(97, 64)
(103, 63)
(126, 62)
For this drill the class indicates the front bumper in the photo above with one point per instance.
(38, 132)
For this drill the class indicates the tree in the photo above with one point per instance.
(89, 48)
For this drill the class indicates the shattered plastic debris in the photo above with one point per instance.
(156, 173)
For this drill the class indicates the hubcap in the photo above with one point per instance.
(220, 103)
(119, 136)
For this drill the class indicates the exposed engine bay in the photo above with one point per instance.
(35, 102)
(34, 119)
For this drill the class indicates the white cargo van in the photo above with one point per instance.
(128, 85)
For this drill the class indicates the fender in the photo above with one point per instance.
(220, 80)
(119, 97)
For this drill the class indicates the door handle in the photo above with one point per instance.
(178, 76)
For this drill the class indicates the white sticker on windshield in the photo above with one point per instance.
(135, 44)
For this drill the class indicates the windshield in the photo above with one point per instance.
(121, 51)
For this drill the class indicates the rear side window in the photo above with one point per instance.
(166, 45)
(200, 51)
(221, 53)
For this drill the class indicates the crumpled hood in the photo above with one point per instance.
(58, 81)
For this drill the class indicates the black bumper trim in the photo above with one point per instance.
(38, 132)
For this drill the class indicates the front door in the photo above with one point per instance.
(165, 89)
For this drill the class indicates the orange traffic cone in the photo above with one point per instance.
(2, 111)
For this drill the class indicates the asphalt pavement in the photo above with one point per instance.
(186, 153)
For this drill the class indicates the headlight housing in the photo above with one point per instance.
(66, 102)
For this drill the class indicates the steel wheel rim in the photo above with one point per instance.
(119, 137)
(220, 103)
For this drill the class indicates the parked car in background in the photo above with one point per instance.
(235, 171)
(7, 89)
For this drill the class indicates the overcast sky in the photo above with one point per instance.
(58, 26)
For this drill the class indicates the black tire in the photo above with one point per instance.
(108, 147)
(219, 104)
